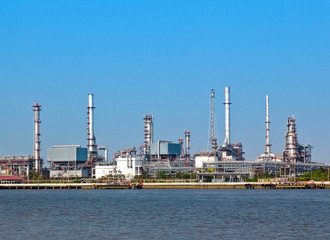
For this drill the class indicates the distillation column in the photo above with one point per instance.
(148, 132)
(92, 147)
(291, 142)
(180, 141)
(227, 117)
(37, 159)
(187, 142)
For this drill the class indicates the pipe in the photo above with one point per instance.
(105, 149)
(227, 116)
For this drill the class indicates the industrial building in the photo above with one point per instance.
(294, 160)
(16, 165)
(165, 149)
(68, 161)
(227, 151)
(128, 163)
(22, 165)
(294, 152)
(104, 170)
(219, 163)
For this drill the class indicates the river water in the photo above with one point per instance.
(165, 214)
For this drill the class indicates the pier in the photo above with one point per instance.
(69, 186)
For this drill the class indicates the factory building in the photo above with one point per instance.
(128, 163)
(165, 150)
(228, 151)
(204, 158)
(16, 165)
(100, 171)
(68, 161)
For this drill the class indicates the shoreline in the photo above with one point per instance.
(236, 185)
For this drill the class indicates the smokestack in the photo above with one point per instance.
(92, 150)
(227, 116)
(187, 142)
(37, 160)
(268, 150)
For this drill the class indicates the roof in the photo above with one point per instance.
(10, 177)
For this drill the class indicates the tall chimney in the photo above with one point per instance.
(37, 160)
(187, 142)
(227, 116)
(268, 150)
(92, 148)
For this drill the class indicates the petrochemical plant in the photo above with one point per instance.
(224, 162)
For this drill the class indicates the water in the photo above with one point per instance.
(165, 214)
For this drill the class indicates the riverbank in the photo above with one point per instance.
(238, 185)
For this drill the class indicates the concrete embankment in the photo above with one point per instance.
(239, 185)
(46, 186)
(194, 186)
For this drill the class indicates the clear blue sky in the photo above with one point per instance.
(164, 57)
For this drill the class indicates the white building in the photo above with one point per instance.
(104, 170)
(199, 160)
(126, 163)
(129, 165)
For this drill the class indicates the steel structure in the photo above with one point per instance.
(91, 141)
(213, 140)
(268, 144)
(187, 143)
(268, 155)
(37, 142)
(294, 152)
(105, 149)
(17, 165)
(244, 168)
(180, 141)
(169, 167)
(230, 151)
(148, 132)
(291, 142)
(227, 117)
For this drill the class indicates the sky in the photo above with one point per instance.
(164, 57)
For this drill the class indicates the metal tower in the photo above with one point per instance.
(268, 144)
(148, 132)
(91, 145)
(187, 142)
(227, 117)
(291, 142)
(213, 139)
(180, 141)
(36, 130)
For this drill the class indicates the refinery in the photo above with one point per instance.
(222, 162)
